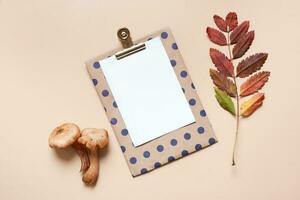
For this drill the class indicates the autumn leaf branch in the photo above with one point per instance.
(225, 77)
(237, 101)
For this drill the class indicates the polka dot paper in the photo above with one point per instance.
(171, 146)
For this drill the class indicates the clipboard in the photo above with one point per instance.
(141, 156)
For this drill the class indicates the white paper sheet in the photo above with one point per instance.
(147, 92)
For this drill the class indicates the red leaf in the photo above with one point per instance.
(223, 64)
(243, 45)
(251, 64)
(220, 22)
(222, 82)
(231, 20)
(216, 36)
(251, 105)
(239, 32)
(254, 83)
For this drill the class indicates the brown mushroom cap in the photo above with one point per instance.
(64, 135)
(93, 137)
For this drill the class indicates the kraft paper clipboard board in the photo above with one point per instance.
(181, 125)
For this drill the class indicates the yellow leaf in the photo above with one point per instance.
(251, 105)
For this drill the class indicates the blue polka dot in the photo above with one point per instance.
(95, 81)
(132, 160)
(198, 147)
(184, 153)
(173, 63)
(187, 136)
(144, 170)
(105, 93)
(193, 86)
(202, 113)
(96, 65)
(174, 46)
(164, 35)
(171, 158)
(113, 121)
(115, 104)
(183, 90)
(173, 142)
(157, 165)
(160, 148)
(124, 132)
(146, 154)
(123, 149)
(211, 141)
(183, 74)
(200, 130)
(192, 102)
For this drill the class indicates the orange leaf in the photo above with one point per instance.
(216, 36)
(223, 83)
(231, 20)
(251, 64)
(223, 64)
(220, 22)
(243, 45)
(239, 32)
(254, 83)
(251, 105)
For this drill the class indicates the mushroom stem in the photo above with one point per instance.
(82, 153)
(91, 175)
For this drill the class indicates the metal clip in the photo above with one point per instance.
(126, 41)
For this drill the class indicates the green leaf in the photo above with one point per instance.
(224, 100)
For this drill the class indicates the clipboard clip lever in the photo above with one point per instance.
(126, 41)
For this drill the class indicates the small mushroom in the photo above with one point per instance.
(94, 139)
(66, 135)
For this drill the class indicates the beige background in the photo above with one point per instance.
(43, 82)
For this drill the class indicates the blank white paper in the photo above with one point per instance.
(147, 92)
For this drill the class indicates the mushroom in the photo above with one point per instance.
(66, 135)
(94, 139)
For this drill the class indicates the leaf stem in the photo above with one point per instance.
(237, 103)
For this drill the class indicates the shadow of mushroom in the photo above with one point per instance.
(65, 154)
(104, 151)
